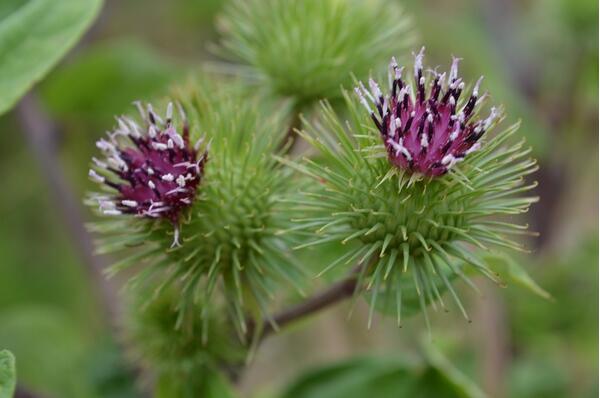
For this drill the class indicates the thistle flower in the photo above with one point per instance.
(417, 209)
(151, 170)
(229, 241)
(306, 49)
(426, 134)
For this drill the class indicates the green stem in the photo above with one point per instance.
(290, 141)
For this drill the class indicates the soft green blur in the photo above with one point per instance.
(539, 58)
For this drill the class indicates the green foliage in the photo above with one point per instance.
(8, 374)
(306, 49)
(34, 36)
(403, 226)
(107, 371)
(538, 378)
(48, 346)
(432, 377)
(543, 365)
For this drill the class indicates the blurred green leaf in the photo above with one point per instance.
(556, 344)
(385, 378)
(450, 373)
(510, 271)
(34, 36)
(49, 347)
(540, 377)
(108, 372)
(8, 374)
(359, 377)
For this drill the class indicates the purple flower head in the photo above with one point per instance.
(426, 133)
(153, 169)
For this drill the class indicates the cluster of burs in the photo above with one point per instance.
(221, 201)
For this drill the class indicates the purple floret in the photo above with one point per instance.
(153, 169)
(426, 134)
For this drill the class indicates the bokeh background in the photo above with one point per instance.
(540, 59)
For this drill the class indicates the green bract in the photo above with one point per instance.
(306, 49)
(228, 235)
(412, 234)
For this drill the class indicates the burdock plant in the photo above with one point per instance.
(201, 217)
(202, 205)
(416, 185)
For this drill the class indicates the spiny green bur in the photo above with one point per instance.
(406, 227)
(229, 241)
(307, 49)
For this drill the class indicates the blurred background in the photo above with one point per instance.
(540, 59)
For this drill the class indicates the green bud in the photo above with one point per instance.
(306, 49)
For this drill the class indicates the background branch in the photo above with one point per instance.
(333, 294)
(42, 137)
(290, 141)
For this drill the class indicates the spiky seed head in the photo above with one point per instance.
(149, 170)
(229, 237)
(421, 124)
(306, 49)
(413, 228)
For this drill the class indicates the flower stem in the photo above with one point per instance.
(333, 294)
(289, 142)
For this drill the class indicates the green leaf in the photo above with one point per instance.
(50, 349)
(34, 36)
(384, 378)
(510, 271)
(8, 374)
(358, 377)
(449, 372)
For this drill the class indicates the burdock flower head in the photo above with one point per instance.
(412, 190)
(423, 128)
(229, 211)
(151, 170)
